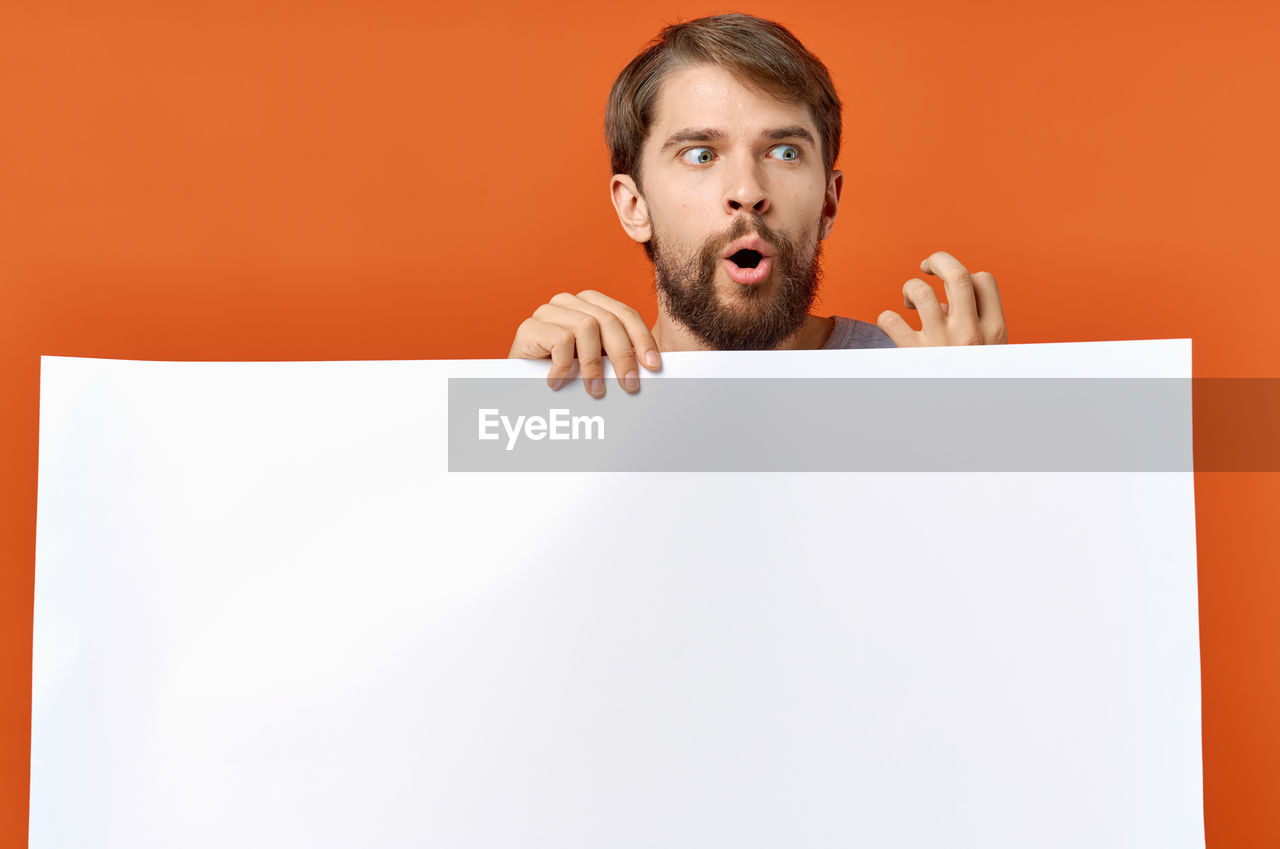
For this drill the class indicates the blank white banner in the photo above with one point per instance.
(266, 614)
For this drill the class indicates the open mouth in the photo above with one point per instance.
(748, 266)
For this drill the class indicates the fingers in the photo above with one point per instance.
(919, 296)
(646, 347)
(613, 341)
(593, 326)
(897, 329)
(990, 312)
(972, 314)
(585, 331)
(537, 339)
(962, 327)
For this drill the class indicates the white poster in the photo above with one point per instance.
(268, 614)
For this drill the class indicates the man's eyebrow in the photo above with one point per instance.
(707, 134)
(793, 132)
(693, 134)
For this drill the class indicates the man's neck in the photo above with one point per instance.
(671, 335)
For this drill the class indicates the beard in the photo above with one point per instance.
(751, 318)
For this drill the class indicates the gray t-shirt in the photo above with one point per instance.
(851, 333)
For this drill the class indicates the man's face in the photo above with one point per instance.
(737, 200)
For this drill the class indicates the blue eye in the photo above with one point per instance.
(698, 155)
(786, 152)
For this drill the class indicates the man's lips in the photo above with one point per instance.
(744, 275)
(748, 276)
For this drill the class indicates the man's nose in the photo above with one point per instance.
(746, 191)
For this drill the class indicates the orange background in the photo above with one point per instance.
(335, 180)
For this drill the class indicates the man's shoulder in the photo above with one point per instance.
(852, 333)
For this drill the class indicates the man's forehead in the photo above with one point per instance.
(713, 97)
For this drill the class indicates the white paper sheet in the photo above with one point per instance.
(267, 615)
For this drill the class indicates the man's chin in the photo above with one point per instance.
(749, 321)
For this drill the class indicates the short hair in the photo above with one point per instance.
(758, 52)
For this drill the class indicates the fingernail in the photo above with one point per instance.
(557, 383)
(596, 386)
(631, 382)
(651, 359)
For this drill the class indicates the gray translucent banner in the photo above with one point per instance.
(826, 424)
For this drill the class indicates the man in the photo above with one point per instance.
(723, 137)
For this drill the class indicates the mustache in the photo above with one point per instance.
(745, 225)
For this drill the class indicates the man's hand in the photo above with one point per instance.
(971, 315)
(593, 325)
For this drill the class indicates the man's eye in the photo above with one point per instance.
(698, 155)
(785, 152)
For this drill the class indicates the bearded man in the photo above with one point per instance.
(723, 136)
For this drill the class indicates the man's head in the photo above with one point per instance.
(723, 136)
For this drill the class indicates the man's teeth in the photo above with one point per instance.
(746, 258)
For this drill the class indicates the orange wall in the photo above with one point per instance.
(325, 180)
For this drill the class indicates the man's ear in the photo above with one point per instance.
(831, 203)
(633, 212)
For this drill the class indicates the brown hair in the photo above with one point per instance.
(758, 52)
